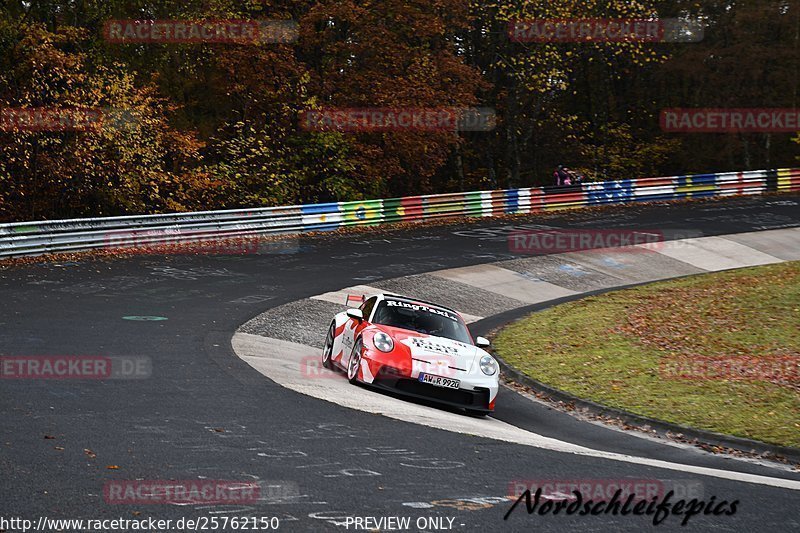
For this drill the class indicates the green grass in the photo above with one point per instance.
(617, 349)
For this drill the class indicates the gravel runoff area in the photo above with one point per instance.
(303, 321)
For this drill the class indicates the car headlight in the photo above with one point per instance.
(383, 342)
(488, 365)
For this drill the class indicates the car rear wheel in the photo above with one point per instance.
(327, 350)
(355, 362)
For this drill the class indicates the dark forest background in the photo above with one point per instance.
(217, 124)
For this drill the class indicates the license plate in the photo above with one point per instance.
(439, 381)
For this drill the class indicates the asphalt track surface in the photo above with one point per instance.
(204, 413)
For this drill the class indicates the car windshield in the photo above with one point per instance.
(422, 318)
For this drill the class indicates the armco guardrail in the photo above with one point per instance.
(34, 238)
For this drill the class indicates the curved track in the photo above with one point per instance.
(206, 413)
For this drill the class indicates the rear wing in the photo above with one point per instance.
(354, 300)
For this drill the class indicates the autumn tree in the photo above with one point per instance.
(191, 126)
(397, 54)
(115, 166)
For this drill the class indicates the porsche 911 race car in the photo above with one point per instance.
(414, 348)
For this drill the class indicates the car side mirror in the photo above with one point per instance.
(482, 342)
(356, 314)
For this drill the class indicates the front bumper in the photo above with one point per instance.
(477, 398)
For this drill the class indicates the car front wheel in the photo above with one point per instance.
(327, 350)
(355, 362)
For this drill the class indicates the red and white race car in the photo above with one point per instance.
(414, 348)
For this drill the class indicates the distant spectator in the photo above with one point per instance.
(574, 177)
(561, 176)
